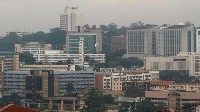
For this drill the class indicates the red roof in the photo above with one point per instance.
(161, 83)
(15, 108)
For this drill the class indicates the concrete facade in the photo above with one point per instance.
(158, 41)
(9, 61)
(173, 99)
(50, 67)
(55, 56)
(70, 19)
(184, 61)
(32, 47)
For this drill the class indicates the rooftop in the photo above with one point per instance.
(161, 83)
(15, 108)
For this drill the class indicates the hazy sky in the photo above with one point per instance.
(42, 15)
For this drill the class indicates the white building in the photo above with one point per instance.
(184, 61)
(32, 47)
(55, 56)
(198, 40)
(70, 19)
(111, 82)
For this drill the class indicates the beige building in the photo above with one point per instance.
(159, 85)
(160, 41)
(185, 87)
(47, 67)
(173, 99)
(118, 42)
(32, 47)
(184, 61)
(9, 61)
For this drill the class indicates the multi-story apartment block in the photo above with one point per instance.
(174, 99)
(70, 19)
(9, 61)
(118, 42)
(118, 78)
(198, 40)
(194, 87)
(184, 61)
(69, 67)
(82, 80)
(159, 85)
(14, 81)
(55, 56)
(159, 41)
(32, 47)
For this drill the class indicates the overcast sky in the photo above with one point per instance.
(42, 15)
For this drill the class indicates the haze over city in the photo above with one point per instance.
(42, 15)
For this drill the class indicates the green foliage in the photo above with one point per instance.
(132, 61)
(141, 106)
(124, 107)
(186, 108)
(12, 99)
(94, 102)
(108, 99)
(177, 76)
(112, 26)
(145, 106)
(27, 58)
(7, 43)
(70, 88)
(56, 38)
(77, 68)
(132, 91)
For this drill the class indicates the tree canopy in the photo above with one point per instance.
(94, 102)
(27, 58)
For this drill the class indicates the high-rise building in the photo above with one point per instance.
(198, 40)
(158, 41)
(40, 84)
(70, 19)
(9, 61)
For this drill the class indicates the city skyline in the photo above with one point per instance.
(32, 16)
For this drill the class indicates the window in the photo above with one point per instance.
(198, 32)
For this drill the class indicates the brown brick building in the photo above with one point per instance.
(118, 42)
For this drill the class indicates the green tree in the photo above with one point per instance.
(108, 99)
(124, 107)
(104, 27)
(112, 26)
(87, 26)
(145, 106)
(70, 88)
(27, 58)
(132, 91)
(94, 102)
(132, 61)
(77, 68)
(12, 99)
(186, 108)
(177, 76)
